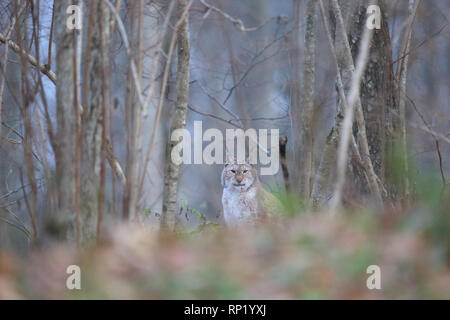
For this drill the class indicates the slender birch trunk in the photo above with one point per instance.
(134, 116)
(401, 78)
(302, 98)
(127, 206)
(305, 151)
(178, 121)
(27, 140)
(295, 94)
(65, 112)
(93, 120)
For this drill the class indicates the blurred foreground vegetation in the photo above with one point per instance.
(305, 256)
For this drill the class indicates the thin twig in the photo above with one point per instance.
(435, 137)
(12, 224)
(236, 22)
(231, 113)
(32, 60)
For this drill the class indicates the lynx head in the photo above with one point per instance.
(239, 176)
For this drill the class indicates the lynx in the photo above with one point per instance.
(244, 200)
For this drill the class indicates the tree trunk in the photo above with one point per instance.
(305, 151)
(92, 121)
(379, 104)
(401, 77)
(302, 98)
(178, 122)
(65, 111)
(295, 93)
(346, 67)
(134, 116)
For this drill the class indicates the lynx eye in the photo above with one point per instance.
(234, 171)
(245, 171)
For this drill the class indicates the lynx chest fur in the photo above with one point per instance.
(240, 207)
(241, 198)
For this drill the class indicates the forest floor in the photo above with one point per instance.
(307, 256)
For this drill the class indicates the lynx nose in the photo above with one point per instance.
(239, 178)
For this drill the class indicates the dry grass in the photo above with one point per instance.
(306, 256)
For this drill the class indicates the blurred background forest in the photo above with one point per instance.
(87, 108)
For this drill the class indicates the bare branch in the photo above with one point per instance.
(236, 22)
(32, 60)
